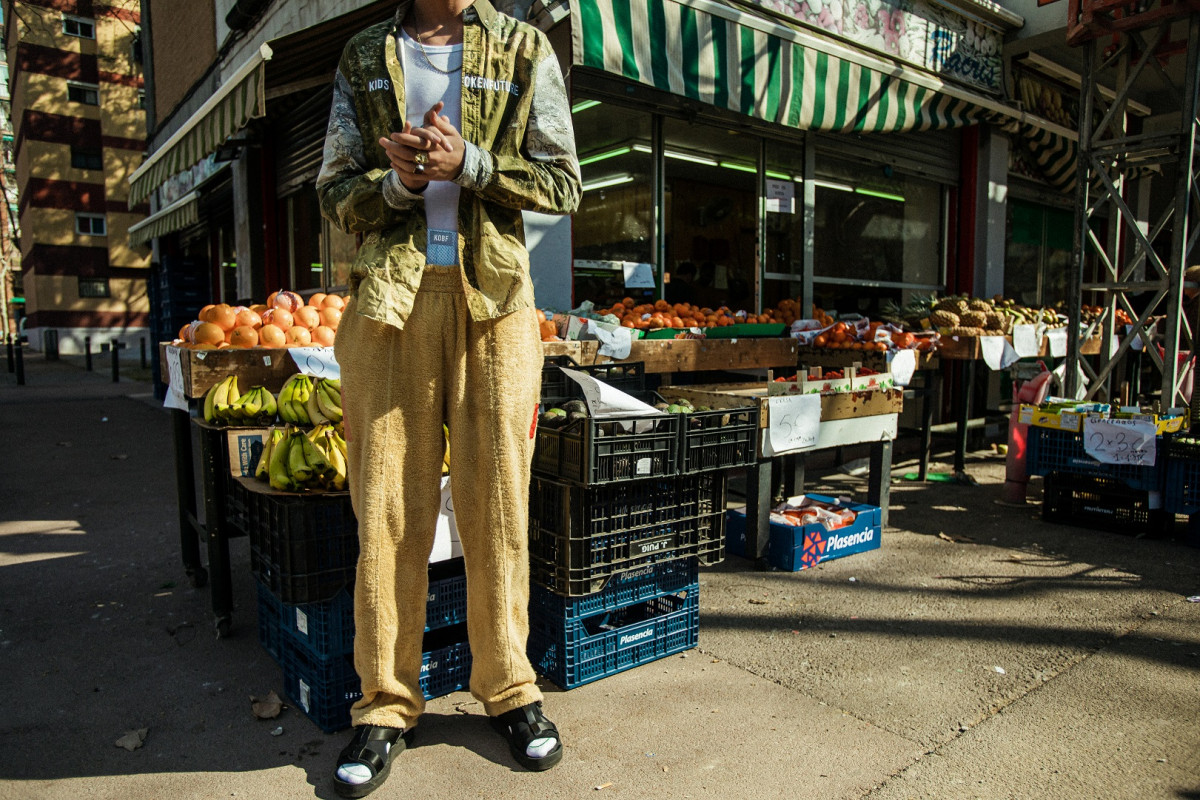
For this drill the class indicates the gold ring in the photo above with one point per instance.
(421, 158)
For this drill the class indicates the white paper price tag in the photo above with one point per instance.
(1057, 339)
(175, 397)
(318, 362)
(795, 421)
(1120, 441)
(1027, 340)
(903, 365)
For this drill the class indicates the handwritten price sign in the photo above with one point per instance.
(316, 361)
(175, 397)
(1120, 441)
(795, 421)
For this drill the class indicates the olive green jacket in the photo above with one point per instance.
(520, 155)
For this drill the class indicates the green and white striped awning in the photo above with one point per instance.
(183, 212)
(746, 63)
(241, 99)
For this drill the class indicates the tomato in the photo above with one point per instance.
(821, 341)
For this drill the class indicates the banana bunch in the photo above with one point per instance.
(304, 400)
(219, 399)
(255, 407)
(293, 460)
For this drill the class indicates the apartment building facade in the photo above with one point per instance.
(79, 120)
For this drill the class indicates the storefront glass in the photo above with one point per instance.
(615, 221)
(1037, 260)
(783, 270)
(878, 236)
(304, 231)
(711, 213)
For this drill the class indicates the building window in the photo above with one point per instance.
(94, 287)
(87, 93)
(79, 26)
(91, 224)
(86, 158)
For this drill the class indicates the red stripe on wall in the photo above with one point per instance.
(119, 13)
(117, 143)
(73, 195)
(43, 126)
(58, 63)
(121, 78)
(80, 8)
(55, 318)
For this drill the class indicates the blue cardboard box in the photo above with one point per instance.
(797, 547)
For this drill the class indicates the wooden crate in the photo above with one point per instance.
(688, 355)
(846, 405)
(203, 369)
(831, 358)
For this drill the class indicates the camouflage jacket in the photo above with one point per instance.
(520, 155)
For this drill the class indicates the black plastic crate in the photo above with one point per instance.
(720, 439)
(563, 511)
(623, 590)
(304, 547)
(573, 653)
(574, 566)
(628, 376)
(1100, 503)
(1182, 494)
(324, 689)
(1052, 450)
(593, 451)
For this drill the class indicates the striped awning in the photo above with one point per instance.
(239, 100)
(183, 212)
(1054, 156)
(753, 65)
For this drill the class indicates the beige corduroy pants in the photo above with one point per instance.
(398, 386)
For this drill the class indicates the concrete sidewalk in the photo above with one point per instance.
(979, 653)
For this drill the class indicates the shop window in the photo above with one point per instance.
(1037, 257)
(615, 222)
(94, 287)
(91, 225)
(783, 202)
(303, 229)
(712, 214)
(878, 236)
(79, 26)
(87, 158)
(86, 93)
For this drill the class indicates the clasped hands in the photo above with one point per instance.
(433, 152)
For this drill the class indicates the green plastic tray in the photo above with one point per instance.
(746, 330)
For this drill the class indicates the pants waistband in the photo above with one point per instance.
(437, 278)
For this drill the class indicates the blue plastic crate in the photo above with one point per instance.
(623, 590)
(573, 653)
(1053, 450)
(1182, 495)
(326, 628)
(797, 547)
(324, 689)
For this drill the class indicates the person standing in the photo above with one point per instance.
(447, 122)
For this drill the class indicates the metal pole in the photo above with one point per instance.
(20, 364)
(87, 353)
(142, 341)
(116, 364)
(12, 361)
(1079, 238)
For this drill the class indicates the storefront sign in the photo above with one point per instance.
(638, 275)
(781, 196)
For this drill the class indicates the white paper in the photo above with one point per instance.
(903, 365)
(1120, 441)
(1058, 341)
(997, 352)
(605, 401)
(638, 275)
(615, 341)
(175, 397)
(318, 362)
(445, 538)
(1026, 340)
(795, 421)
(781, 196)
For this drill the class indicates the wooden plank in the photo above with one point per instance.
(572, 349)
(841, 432)
(835, 358)
(699, 355)
(959, 348)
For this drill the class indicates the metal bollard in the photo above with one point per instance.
(20, 364)
(116, 363)
(87, 353)
(143, 344)
(50, 344)
(12, 361)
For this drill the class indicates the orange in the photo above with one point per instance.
(223, 316)
(243, 336)
(298, 336)
(307, 316)
(331, 317)
(270, 335)
(629, 302)
(207, 333)
(249, 317)
(333, 301)
(279, 318)
(323, 335)
(314, 300)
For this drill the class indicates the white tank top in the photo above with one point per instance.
(424, 86)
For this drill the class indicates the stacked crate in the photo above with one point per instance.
(1182, 495)
(623, 511)
(303, 553)
(1079, 490)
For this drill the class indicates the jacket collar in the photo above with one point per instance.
(480, 9)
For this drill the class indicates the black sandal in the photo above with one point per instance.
(375, 747)
(523, 725)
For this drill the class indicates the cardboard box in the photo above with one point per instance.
(256, 366)
(798, 547)
(245, 448)
(846, 405)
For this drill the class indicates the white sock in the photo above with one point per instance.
(359, 773)
(541, 747)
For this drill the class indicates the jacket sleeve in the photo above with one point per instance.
(545, 177)
(355, 197)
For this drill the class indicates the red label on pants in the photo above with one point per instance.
(533, 422)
